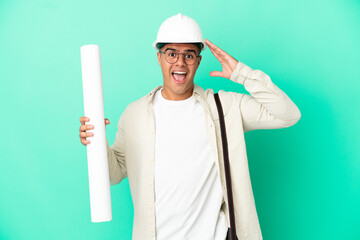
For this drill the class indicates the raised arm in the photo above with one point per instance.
(267, 107)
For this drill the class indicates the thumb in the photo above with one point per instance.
(216, 74)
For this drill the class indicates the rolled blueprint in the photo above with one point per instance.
(99, 183)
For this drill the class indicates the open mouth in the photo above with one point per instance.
(179, 76)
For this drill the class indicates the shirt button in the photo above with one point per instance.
(151, 207)
(151, 160)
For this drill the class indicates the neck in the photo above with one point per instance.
(176, 97)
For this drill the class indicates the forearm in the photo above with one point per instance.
(268, 106)
(117, 166)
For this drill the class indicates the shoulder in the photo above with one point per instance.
(133, 112)
(228, 99)
(135, 109)
(140, 106)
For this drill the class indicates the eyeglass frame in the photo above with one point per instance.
(177, 56)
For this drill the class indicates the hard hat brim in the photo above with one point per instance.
(203, 48)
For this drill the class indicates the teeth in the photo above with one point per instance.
(180, 72)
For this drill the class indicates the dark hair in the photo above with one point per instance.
(199, 45)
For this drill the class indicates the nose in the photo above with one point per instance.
(181, 60)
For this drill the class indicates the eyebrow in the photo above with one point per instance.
(187, 50)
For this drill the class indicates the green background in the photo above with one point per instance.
(306, 179)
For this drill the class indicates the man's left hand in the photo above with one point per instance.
(228, 62)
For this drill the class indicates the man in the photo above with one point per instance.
(168, 143)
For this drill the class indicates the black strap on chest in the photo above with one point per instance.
(232, 230)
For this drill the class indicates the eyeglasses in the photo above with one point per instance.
(172, 57)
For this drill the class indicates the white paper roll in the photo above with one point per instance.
(99, 183)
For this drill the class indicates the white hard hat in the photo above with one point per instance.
(179, 29)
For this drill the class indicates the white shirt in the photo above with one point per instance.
(188, 193)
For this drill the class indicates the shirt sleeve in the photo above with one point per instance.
(267, 107)
(116, 155)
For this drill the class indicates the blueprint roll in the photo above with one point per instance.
(99, 183)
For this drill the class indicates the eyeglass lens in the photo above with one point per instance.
(173, 56)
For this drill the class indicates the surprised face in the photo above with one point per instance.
(178, 77)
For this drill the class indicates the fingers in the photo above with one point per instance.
(220, 54)
(83, 128)
(84, 141)
(214, 48)
(84, 119)
(210, 44)
(86, 134)
(228, 63)
(83, 134)
(216, 55)
(216, 74)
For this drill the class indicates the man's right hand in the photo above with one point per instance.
(84, 127)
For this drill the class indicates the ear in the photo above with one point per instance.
(199, 60)
(158, 56)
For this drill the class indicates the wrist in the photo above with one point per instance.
(240, 73)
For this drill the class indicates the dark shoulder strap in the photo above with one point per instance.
(227, 167)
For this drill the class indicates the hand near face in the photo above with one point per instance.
(228, 62)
